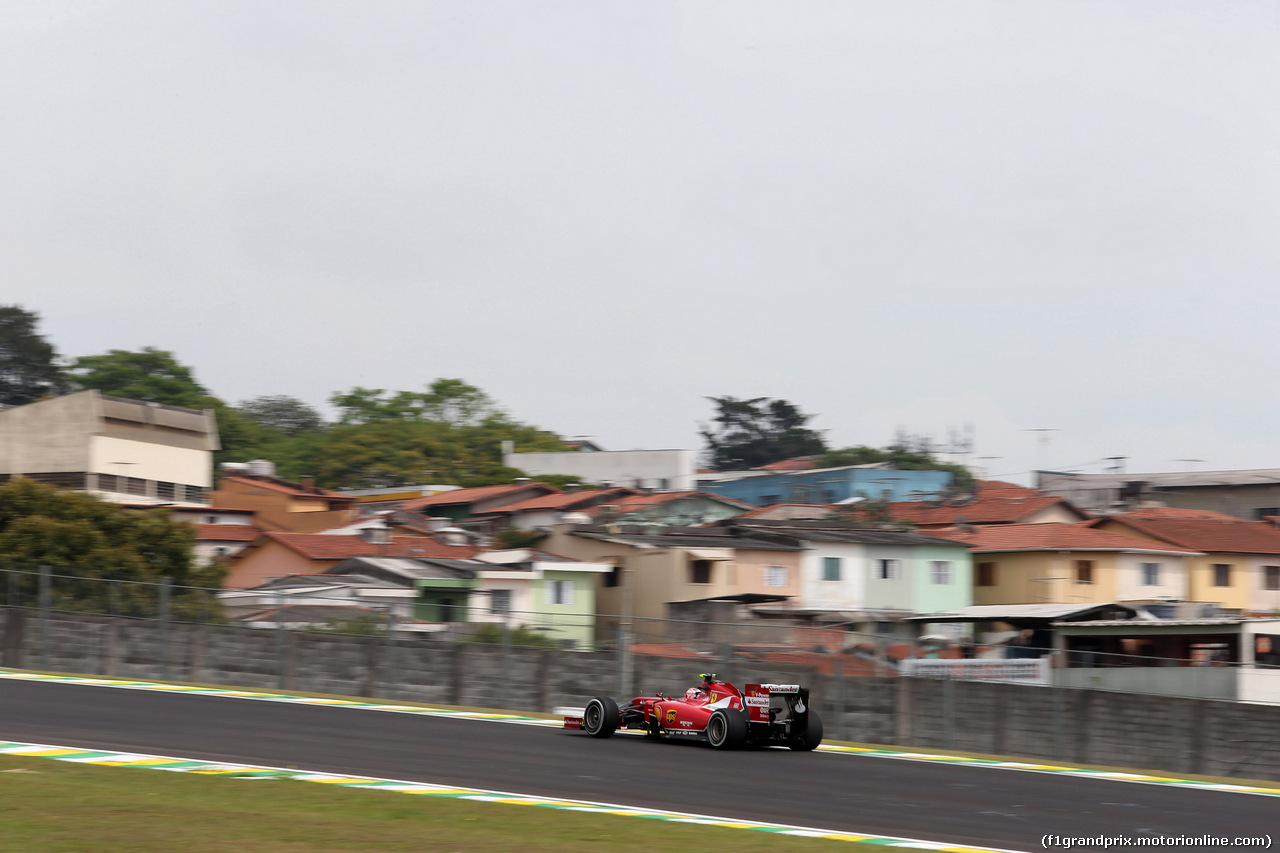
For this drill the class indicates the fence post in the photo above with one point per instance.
(1060, 723)
(282, 655)
(623, 674)
(166, 592)
(949, 712)
(391, 680)
(726, 662)
(45, 601)
(506, 655)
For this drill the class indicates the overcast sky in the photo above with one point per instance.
(1015, 215)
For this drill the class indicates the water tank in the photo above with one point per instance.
(452, 536)
(262, 468)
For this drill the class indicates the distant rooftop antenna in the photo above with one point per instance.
(1117, 464)
(1042, 443)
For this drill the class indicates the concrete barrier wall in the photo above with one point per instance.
(1086, 726)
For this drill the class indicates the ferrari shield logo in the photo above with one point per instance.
(671, 715)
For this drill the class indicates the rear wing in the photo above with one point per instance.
(756, 698)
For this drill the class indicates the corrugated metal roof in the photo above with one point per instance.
(1004, 612)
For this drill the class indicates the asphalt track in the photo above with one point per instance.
(948, 804)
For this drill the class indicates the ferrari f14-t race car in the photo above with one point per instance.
(714, 711)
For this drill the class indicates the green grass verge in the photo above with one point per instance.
(49, 806)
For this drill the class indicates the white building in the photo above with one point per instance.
(663, 470)
(125, 451)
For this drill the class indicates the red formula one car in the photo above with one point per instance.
(714, 711)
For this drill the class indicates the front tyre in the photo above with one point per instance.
(811, 737)
(600, 718)
(727, 729)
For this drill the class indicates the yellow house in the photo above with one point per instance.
(1070, 564)
(1239, 563)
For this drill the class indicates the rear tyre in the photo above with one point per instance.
(727, 729)
(811, 737)
(600, 718)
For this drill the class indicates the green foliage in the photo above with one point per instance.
(89, 542)
(452, 434)
(759, 431)
(564, 481)
(29, 366)
(150, 374)
(490, 634)
(514, 538)
(286, 415)
(493, 475)
(449, 401)
(900, 458)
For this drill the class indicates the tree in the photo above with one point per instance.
(287, 415)
(450, 401)
(29, 366)
(150, 374)
(451, 433)
(755, 432)
(89, 544)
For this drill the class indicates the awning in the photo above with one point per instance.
(710, 553)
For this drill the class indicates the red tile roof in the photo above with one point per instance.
(561, 500)
(1053, 536)
(780, 509)
(227, 532)
(993, 502)
(639, 501)
(471, 495)
(284, 487)
(1201, 529)
(323, 546)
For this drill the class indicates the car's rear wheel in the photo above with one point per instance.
(811, 737)
(600, 718)
(727, 729)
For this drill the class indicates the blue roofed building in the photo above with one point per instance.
(848, 483)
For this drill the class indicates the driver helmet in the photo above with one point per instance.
(693, 694)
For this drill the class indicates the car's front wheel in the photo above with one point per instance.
(600, 718)
(727, 729)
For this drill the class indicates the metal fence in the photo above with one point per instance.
(822, 650)
(870, 688)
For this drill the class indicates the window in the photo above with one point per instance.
(831, 568)
(775, 576)
(1150, 574)
(700, 571)
(1263, 512)
(770, 500)
(614, 578)
(1271, 577)
(940, 571)
(500, 600)
(1222, 574)
(986, 574)
(886, 570)
(560, 592)
(1084, 571)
